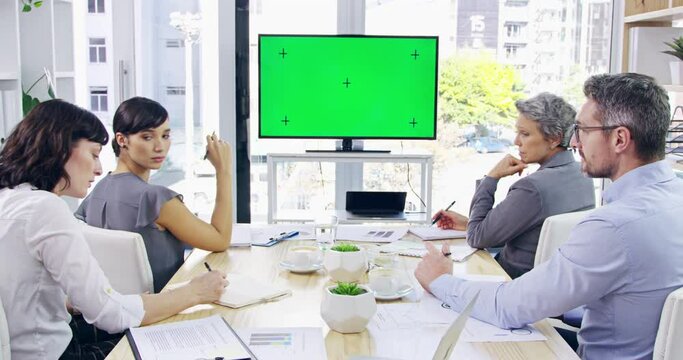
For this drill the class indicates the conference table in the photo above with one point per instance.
(302, 308)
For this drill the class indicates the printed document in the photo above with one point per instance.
(370, 233)
(209, 338)
(285, 343)
(434, 233)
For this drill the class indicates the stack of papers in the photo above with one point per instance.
(434, 233)
(416, 249)
(285, 343)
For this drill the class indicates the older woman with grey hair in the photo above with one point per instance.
(544, 129)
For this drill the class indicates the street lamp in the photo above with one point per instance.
(190, 25)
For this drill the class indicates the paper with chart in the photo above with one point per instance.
(418, 249)
(430, 312)
(209, 337)
(285, 343)
(365, 233)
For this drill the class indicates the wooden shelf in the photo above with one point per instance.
(675, 13)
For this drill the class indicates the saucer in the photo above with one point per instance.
(397, 295)
(300, 270)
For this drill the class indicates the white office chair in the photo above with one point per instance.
(4, 335)
(122, 257)
(555, 232)
(670, 329)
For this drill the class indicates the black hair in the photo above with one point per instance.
(40, 145)
(137, 114)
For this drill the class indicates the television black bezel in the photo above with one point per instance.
(436, 88)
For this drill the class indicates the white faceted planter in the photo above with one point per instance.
(346, 266)
(676, 72)
(347, 314)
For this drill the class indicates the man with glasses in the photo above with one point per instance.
(624, 258)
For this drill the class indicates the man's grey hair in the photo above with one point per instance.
(636, 102)
(555, 116)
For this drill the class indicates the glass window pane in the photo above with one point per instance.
(94, 104)
(91, 6)
(103, 54)
(93, 54)
(103, 103)
(285, 17)
(100, 6)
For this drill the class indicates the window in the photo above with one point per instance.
(175, 90)
(96, 6)
(175, 43)
(97, 50)
(98, 98)
(513, 30)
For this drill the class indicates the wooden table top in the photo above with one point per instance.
(303, 307)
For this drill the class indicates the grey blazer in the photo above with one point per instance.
(557, 187)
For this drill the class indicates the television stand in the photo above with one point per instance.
(347, 146)
(349, 151)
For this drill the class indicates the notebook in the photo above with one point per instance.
(433, 233)
(244, 290)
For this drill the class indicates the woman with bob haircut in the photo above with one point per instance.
(54, 151)
(125, 200)
(544, 130)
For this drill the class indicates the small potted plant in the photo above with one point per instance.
(347, 307)
(676, 66)
(345, 262)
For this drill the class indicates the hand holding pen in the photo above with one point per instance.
(218, 152)
(439, 214)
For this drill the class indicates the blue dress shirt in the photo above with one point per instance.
(621, 262)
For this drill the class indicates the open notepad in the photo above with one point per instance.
(434, 233)
(244, 290)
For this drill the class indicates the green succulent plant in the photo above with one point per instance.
(345, 248)
(348, 289)
(676, 48)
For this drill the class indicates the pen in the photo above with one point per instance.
(206, 154)
(207, 266)
(438, 217)
(284, 235)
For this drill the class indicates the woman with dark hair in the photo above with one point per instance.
(124, 200)
(44, 260)
(544, 129)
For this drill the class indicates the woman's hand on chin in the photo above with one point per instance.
(507, 166)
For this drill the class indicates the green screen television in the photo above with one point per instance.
(347, 86)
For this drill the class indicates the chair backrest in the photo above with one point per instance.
(668, 344)
(122, 257)
(4, 335)
(554, 232)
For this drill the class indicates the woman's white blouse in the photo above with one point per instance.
(43, 260)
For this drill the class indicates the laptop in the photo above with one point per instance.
(376, 204)
(448, 340)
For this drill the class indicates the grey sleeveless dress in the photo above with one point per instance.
(126, 202)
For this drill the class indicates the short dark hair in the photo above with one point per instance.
(137, 114)
(40, 145)
(636, 102)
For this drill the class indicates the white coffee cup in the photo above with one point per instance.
(304, 256)
(384, 282)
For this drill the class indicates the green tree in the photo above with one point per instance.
(477, 90)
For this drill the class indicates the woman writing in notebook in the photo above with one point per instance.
(125, 200)
(54, 151)
(544, 129)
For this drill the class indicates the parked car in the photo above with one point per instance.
(489, 144)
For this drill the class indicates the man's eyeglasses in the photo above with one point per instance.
(578, 127)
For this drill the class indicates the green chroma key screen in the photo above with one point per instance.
(318, 86)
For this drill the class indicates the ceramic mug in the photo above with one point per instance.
(304, 256)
